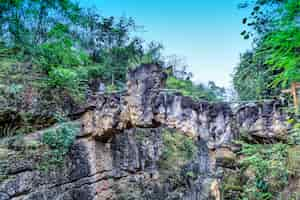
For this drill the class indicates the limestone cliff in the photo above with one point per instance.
(118, 153)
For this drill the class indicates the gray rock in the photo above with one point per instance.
(120, 146)
(3, 196)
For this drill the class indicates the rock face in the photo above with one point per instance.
(145, 104)
(118, 151)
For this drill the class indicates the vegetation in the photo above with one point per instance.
(272, 64)
(59, 140)
(54, 53)
(64, 44)
(269, 168)
(177, 149)
(211, 92)
(63, 47)
(252, 78)
(274, 61)
(269, 165)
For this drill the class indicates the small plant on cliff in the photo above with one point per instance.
(178, 150)
(178, 145)
(59, 141)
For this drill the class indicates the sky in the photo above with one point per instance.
(205, 32)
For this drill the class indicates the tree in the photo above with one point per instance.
(26, 23)
(274, 27)
(252, 77)
(179, 67)
(65, 42)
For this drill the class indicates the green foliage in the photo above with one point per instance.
(27, 22)
(178, 148)
(252, 78)
(282, 48)
(191, 174)
(54, 53)
(59, 140)
(68, 79)
(294, 160)
(69, 46)
(232, 182)
(111, 88)
(274, 62)
(63, 77)
(269, 164)
(152, 54)
(60, 50)
(14, 89)
(294, 149)
(179, 80)
(188, 88)
(61, 53)
(294, 134)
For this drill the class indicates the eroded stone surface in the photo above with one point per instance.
(146, 105)
(110, 155)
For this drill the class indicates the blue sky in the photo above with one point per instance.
(205, 32)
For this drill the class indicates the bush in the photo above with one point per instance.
(69, 80)
(59, 141)
(63, 77)
(269, 164)
(178, 149)
(211, 92)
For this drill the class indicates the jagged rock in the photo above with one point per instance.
(145, 105)
(264, 120)
(4, 196)
(120, 144)
(144, 84)
(225, 157)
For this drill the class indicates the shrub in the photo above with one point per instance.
(211, 92)
(63, 77)
(59, 141)
(69, 80)
(269, 164)
(178, 149)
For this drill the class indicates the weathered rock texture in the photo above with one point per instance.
(109, 160)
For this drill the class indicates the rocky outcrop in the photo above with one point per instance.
(145, 104)
(109, 159)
